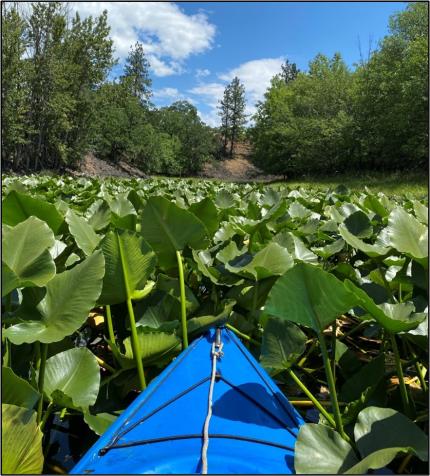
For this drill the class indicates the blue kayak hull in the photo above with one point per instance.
(252, 430)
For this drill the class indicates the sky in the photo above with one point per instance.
(196, 48)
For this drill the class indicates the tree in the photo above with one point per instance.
(289, 71)
(232, 112)
(197, 145)
(137, 74)
(225, 114)
(238, 117)
(14, 90)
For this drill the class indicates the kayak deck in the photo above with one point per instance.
(252, 430)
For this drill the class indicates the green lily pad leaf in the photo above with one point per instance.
(171, 286)
(346, 359)
(283, 343)
(121, 206)
(26, 260)
(69, 298)
(98, 215)
(421, 211)
(273, 260)
(75, 374)
(358, 224)
(83, 233)
(139, 294)
(198, 325)
(157, 314)
(368, 376)
(296, 247)
(372, 203)
(406, 234)
(370, 250)
(129, 263)
(392, 317)
(379, 428)
(321, 450)
(168, 229)
(224, 199)
(99, 423)
(330, 249)
(21, 447)
(208, 214)
(17, 207)
(309, 296)
(376, 460)
(154, 346)
(17, 391)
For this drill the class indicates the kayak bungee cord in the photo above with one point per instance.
(217, 353)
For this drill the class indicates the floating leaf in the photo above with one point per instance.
(74, 374)
(21, 447)
(69, 298)
(321, 450)
(283, 343)
(26, 260)
(309, 296)
(380, 428)
(129, 263)
(17, 391)
(83, 233)
(168, 229)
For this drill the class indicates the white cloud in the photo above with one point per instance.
(166, 93)
(202, 73)
(255, 75)
(163, 28)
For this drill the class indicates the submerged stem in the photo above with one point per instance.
(403, 390)
(43, 355)
(183, 301)
(136, 345)
(109, 323)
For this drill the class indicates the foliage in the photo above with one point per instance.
(331, 118)
(294, 271)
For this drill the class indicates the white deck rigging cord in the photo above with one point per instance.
(216, 354)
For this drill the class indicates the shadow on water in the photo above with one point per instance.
(252, 403)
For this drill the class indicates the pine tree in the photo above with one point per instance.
(225, 114)
(289, 72)
(137, 74)
(237, 114)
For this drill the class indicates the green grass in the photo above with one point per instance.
(397, 183)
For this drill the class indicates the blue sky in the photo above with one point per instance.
(195, 49)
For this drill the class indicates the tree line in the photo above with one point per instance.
(59, 101)
(332, 119)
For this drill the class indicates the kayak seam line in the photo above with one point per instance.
(195, 436)
(156, 410)
(152, 390)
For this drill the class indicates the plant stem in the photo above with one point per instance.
(333, 350)
(241, 334)
(46, 416)
(43, 355)
(301, 362)
(106, 366)
(109, 324)
(332, 387)
(418, 369)
(308, 393)
(404, 463)
(255, 299)
(134, 338)
(136, 345)
(183, 301)
(403, 390)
